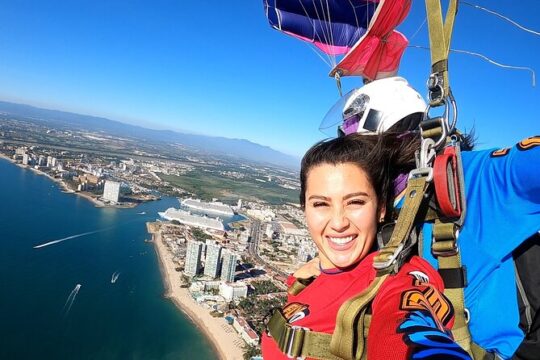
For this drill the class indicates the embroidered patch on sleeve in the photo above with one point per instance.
(295, 311)
(529, 143)
(500, 152)
(428, 299)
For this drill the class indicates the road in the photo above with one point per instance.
(253, 248)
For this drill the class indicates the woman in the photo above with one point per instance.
(345, 190)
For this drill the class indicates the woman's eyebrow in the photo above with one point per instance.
(351, 195)
(320, 197)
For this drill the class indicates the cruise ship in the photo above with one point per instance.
(187, 218)
(214, 207)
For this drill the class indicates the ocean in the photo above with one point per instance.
(58, 302)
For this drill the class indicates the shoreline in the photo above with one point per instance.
(220, 334)
(65, 189)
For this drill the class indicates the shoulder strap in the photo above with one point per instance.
(299, 285)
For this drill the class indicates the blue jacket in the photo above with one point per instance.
(503, 209)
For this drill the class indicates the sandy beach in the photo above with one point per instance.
(227, 343)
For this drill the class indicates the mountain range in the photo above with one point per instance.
(237, 148)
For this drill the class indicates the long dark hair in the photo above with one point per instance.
(382, 157)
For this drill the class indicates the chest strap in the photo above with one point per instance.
(298, 342)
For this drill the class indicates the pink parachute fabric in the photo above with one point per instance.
(378, 53)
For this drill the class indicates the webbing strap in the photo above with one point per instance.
(414, 196)
(297, 342)
(352, 324)
(440, 35)
(299, 285)
(460, 331)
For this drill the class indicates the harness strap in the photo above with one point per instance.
(440, 34)
(385, 260)
(299, 285)
(352, 324)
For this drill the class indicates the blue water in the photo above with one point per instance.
(129, 319)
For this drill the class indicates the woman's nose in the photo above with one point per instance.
(339, 221)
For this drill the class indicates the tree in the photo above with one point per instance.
(250, 351)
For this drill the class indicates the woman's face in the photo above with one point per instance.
(342, 213)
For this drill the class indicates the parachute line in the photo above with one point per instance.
(484, 57)
(325, 38)
(502, 17)
(418, 30)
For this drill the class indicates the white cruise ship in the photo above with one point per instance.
(214, 207)
(187, 218)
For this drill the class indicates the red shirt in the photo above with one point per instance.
(417, 287)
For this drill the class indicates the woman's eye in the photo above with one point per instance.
(356, 202)
(319, 204)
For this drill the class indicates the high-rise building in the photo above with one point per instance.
(25, 159)
(193, 258)
(213, 259)
(111, 191)
(229, 265)
(49, 161)
(306, 251)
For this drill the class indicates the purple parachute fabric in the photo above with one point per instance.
(334, 26)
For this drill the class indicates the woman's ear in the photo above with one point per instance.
(382, 213)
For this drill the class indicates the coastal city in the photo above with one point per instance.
(224, 260)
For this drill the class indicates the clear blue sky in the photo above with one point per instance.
(217, 68)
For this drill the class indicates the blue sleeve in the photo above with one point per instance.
(523, 164)
(503, 197)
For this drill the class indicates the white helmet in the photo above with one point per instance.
(375, 107)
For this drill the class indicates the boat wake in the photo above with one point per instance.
(71, 299)
(67, 238)
(115, 276)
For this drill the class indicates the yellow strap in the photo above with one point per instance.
(348, 340)
(298, 342)
(440, 35)
(414, 195)
(299, 285)
(460, 330)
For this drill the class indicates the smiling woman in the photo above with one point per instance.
(345, 193)
(342, 211)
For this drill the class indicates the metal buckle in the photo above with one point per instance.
(427, 172)
(384, 265)
(290, 341)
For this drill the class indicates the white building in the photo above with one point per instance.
(25, 159)
(233, 292)
(228, 268)
(213, 259)
(111, 191)
(306, 251)
(248, 334)
(193, 258)
(263, 215)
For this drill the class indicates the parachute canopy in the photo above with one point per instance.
(363, 30)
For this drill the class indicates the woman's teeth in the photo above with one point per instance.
(340, 240)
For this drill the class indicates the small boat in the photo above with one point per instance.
(114, 277)
(142, 213)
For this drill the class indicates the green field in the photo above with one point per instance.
(208, 185)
